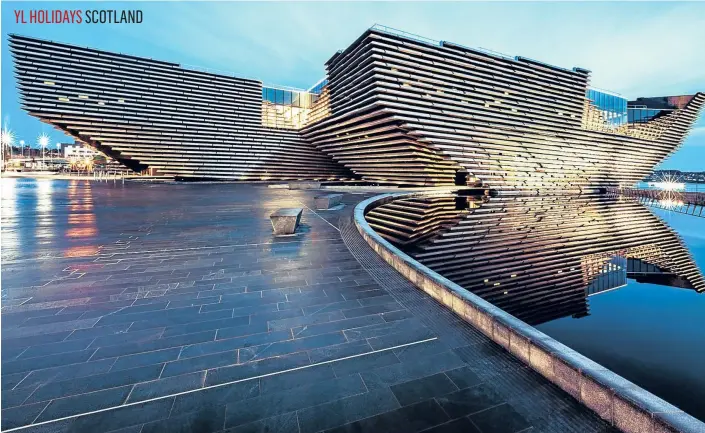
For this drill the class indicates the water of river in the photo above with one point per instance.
(569, 265)
(651, 334)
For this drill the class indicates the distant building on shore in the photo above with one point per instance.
(681, 176)
(78, 150)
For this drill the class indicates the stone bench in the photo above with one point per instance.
(285, 220)
(304, 185)
(327, 201)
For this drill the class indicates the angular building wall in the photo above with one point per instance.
(149, 113)
(416, 111)
(394, 109)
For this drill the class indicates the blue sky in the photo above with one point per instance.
(636, 49)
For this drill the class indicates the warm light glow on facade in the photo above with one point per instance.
(289, 109)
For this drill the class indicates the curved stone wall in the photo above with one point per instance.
(615, 399)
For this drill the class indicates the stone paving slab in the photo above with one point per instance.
(188, 315)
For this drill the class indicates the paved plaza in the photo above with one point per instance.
(172, 308)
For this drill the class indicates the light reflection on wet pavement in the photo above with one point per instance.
(113, 294)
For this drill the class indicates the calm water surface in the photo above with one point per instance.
(532, 256)
(650, 334)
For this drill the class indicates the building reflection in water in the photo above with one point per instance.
(603, 272)
(10, 233)
(51, 224)
(81, 220)
(538, 257)
(44, 217)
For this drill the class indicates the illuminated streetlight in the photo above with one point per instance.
(668, 182)
(43, 141)
(8, 139)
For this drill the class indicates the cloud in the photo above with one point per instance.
(698, 131)
(696, 138)
(645, 51)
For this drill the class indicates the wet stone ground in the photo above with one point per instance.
(172, 308)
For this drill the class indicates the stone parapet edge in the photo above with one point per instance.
(618, 401)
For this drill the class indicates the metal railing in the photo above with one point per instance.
(106, 175)
(413, 36)
(396, 32)
(690, 203)
(607, 91)
(487, 51)
(495, 53)
(208, 70)
(517, 58)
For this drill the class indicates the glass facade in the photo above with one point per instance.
(293, 98)
(641, 115)
(291, 109)
(607, 275)
(613, 107)
(318, 87)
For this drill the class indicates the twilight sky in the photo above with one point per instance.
(636, 49)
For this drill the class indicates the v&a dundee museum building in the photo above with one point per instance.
(422, 310)
(392, 108)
